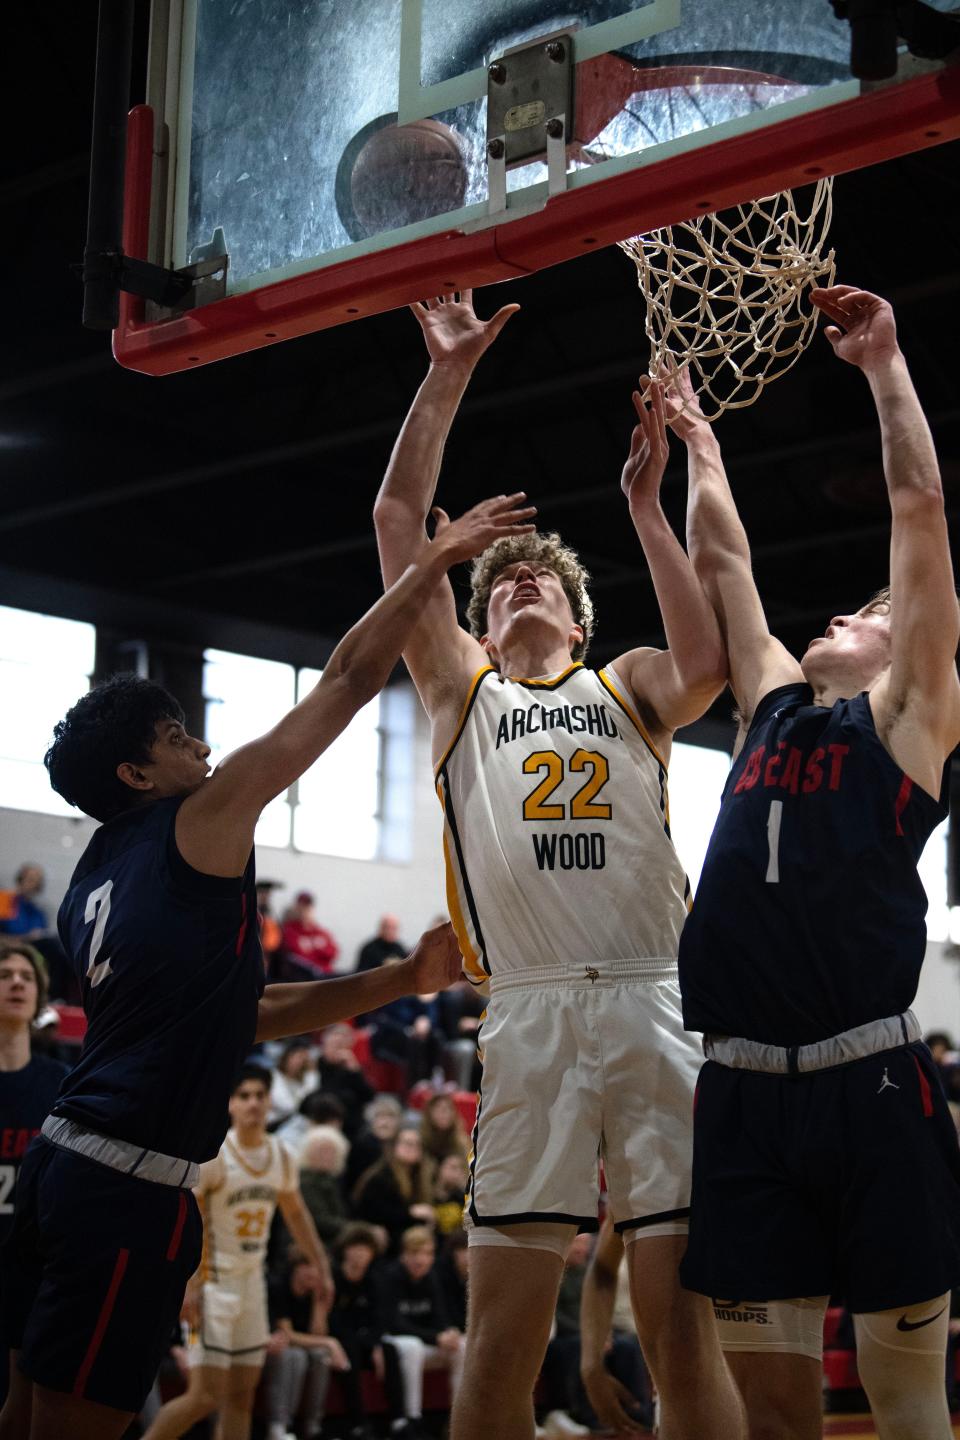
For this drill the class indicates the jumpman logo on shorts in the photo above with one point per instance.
(592, 975)
(886, 1083)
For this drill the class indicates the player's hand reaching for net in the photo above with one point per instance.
(435, 960)
(865, 332)
(476, 529)
(680, 404)
(649, 447)
(453, 332)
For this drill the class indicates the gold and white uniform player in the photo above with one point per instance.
(238, 1193)
(568, 896)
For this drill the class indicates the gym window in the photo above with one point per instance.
(45, 666)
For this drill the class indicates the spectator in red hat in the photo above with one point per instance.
(306, 941)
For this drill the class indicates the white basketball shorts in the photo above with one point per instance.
(585, 1063)
(234, 1326)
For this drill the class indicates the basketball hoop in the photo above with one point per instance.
(726, 293)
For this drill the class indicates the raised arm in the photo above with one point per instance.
(439, 651)
(917, 703)
(720, 553)
(673, 686)
(215, 824)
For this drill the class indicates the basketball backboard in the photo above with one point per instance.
(348, 159)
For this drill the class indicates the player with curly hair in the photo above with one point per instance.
(568, 899)
(160, 924)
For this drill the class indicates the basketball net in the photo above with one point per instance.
(726, 295)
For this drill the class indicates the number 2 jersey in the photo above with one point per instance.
(171, 973)
(557, 831)
(809, 914)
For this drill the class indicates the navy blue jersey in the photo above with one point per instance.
(809, 915)
(171, 972)
(26, 1099)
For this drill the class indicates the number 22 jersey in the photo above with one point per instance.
(557, 829)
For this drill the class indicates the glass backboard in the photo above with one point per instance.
(357, 144)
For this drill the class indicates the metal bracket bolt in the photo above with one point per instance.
(497, 72)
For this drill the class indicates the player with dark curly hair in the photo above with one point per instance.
(160, 923)
(568, 898)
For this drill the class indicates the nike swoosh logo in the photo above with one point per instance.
(904, 1324)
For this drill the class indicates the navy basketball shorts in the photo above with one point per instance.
(94, 1274)
(838, 1182)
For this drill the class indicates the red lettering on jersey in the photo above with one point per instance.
(837, 753)
(790, 779)
(13, 1143)
(751, 771)
(773, 765)
(813, 774)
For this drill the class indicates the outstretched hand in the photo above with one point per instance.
(649, 447)
(865, 332)
(435, 960)
(476, 529)
(452, 330)
(680, 403)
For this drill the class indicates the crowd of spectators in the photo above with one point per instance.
(374, 1113)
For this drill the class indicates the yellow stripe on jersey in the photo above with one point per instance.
(605, 678)
(551, 680)
(471, 960)
(474, 683)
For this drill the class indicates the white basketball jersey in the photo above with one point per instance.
(557, 827)
(238, 1210)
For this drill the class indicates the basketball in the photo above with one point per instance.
(406, 173)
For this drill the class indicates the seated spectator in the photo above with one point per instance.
(304, 940)
(355, 1317)
(382, 1119)
(294, 1077)
(942, 1050)
(385, 945)
(442, 1130)
(404, 1033)
(396, 1192)
(417, 1333)
(452, 1269)
(316, 1108)
(20, 915)
(449, 1187)
(459, 1010)
(340, 1075)
(300, 1353)
(323, 1159)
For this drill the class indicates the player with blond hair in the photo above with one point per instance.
(825, 1158)
(568, 899)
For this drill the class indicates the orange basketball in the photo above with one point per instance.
(406, 173)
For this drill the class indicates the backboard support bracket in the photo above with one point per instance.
(201, 282)
(530, 109)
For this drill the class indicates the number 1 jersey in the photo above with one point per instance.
(809, 916)
(557, 827)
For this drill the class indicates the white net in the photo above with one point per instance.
(726, 293)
